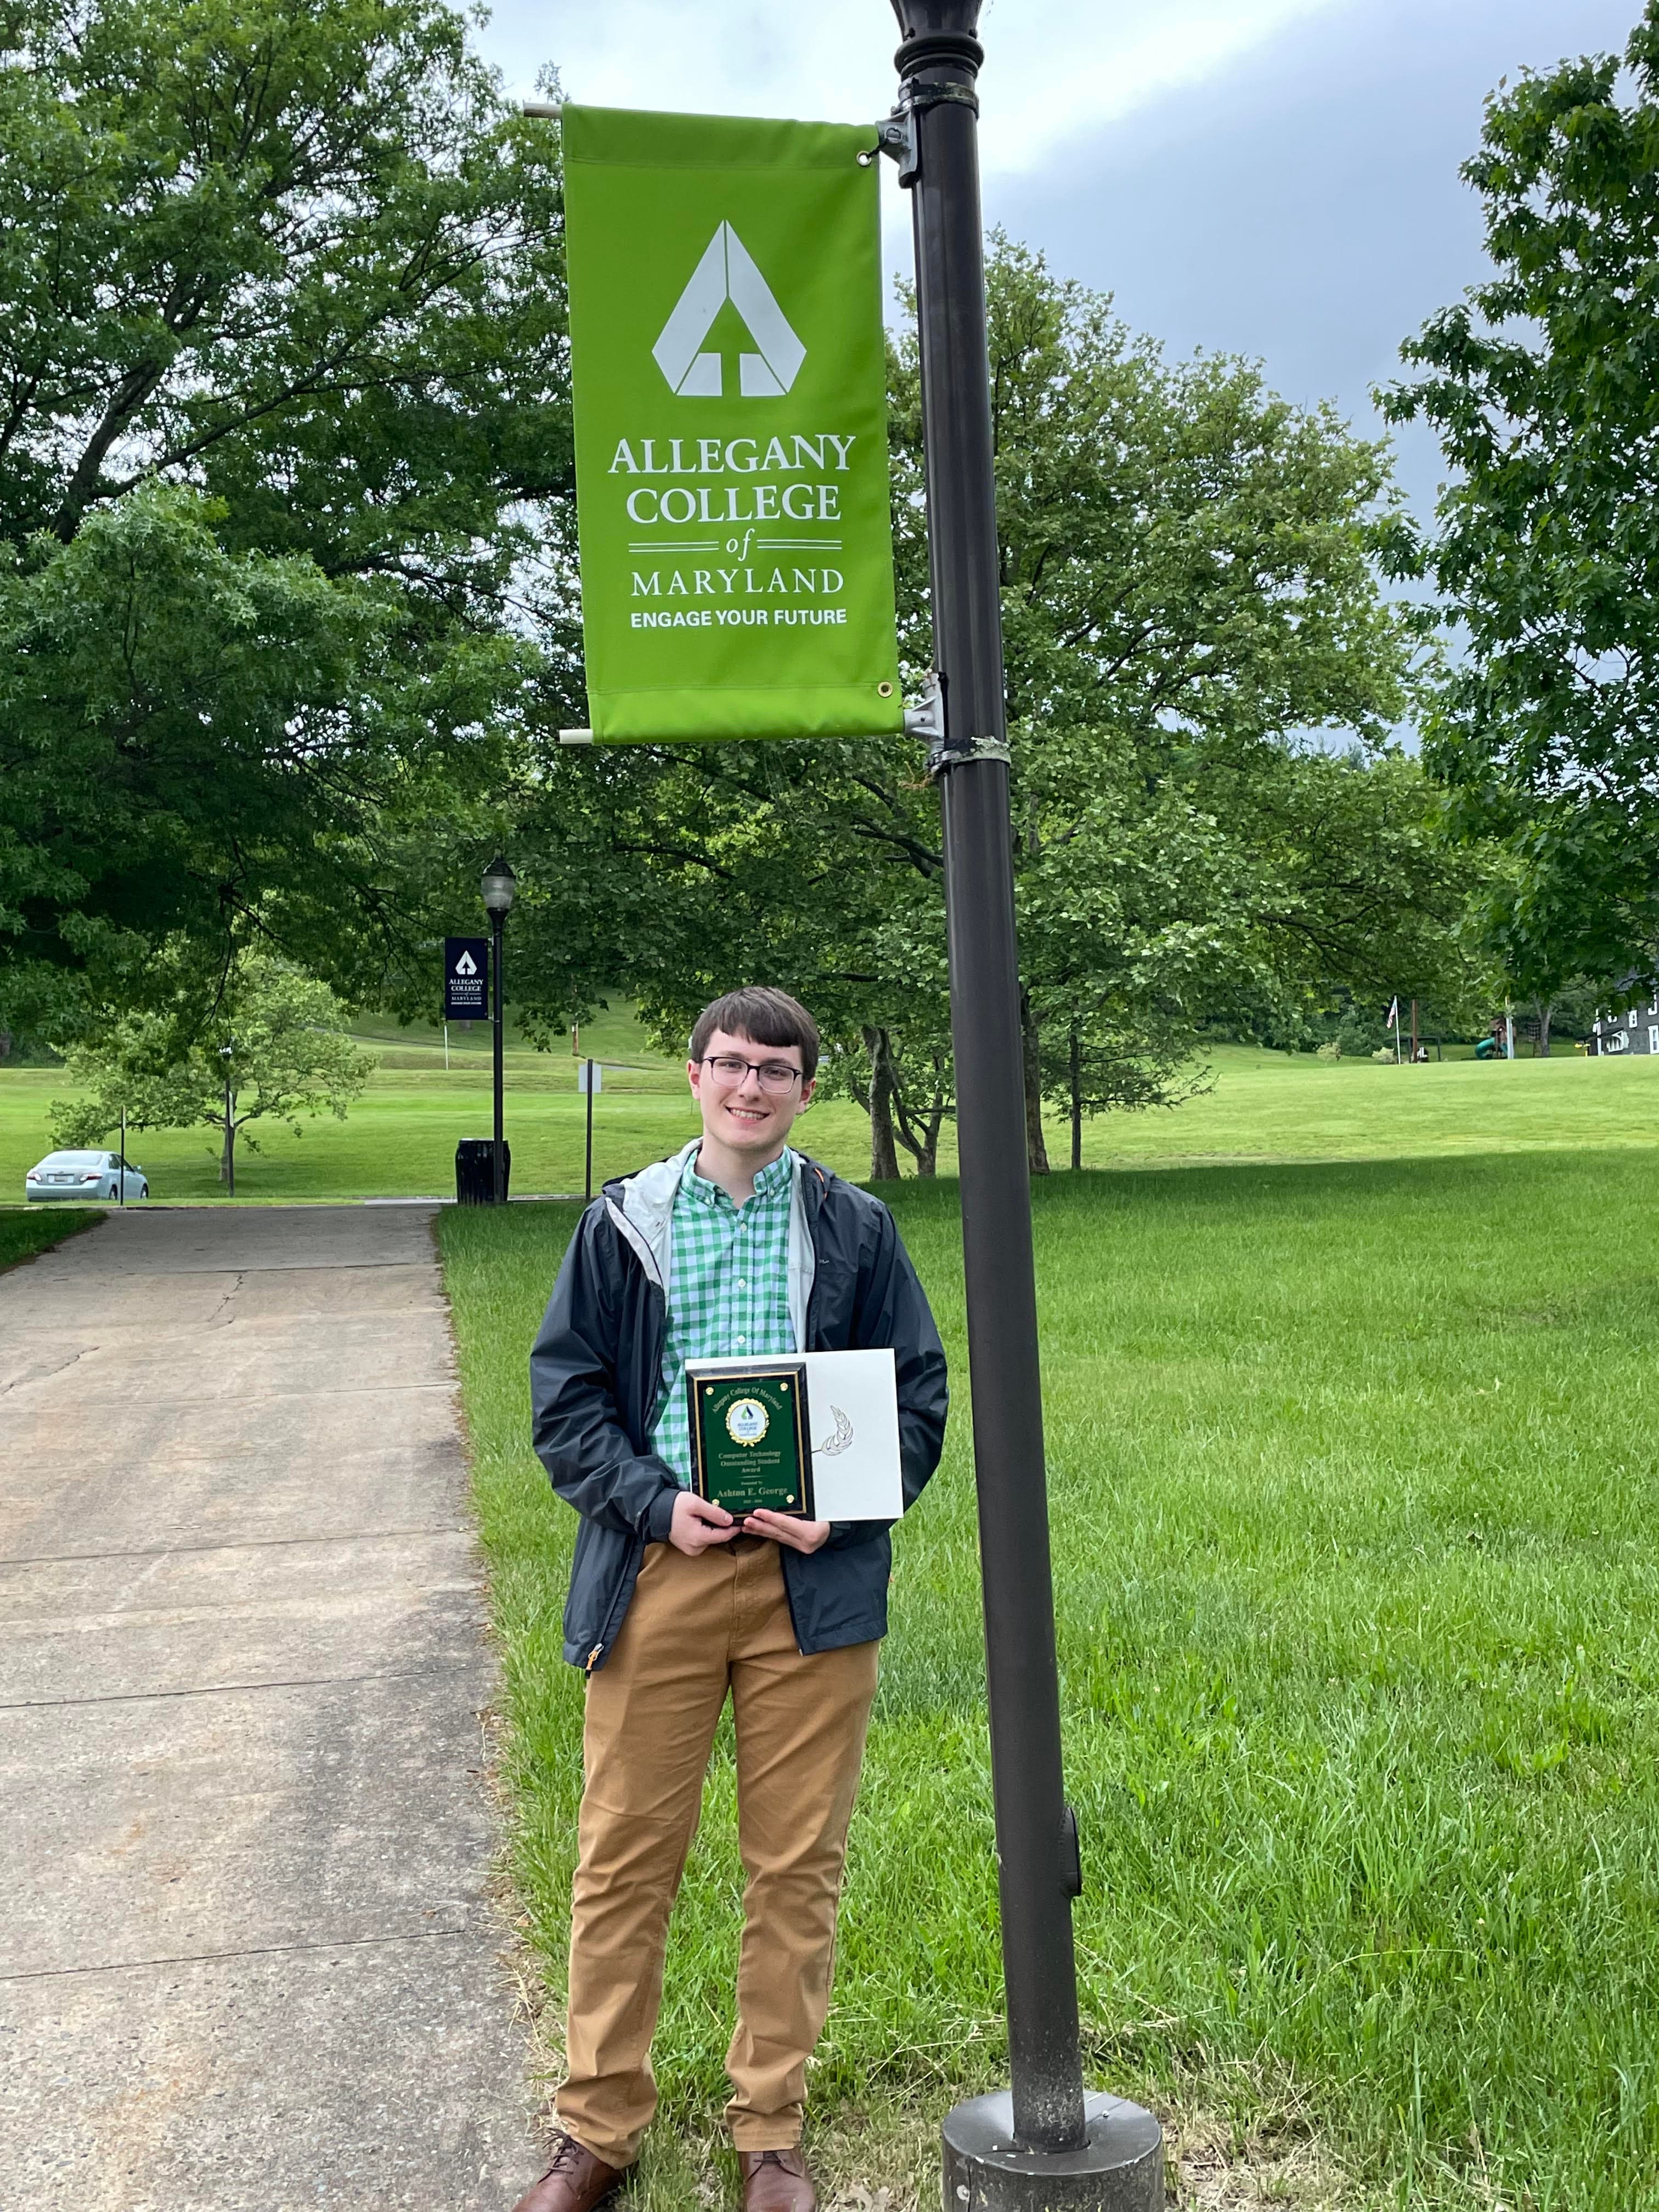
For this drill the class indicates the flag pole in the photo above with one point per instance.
(587, 1191)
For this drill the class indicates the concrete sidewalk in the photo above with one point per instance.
(247, 1957)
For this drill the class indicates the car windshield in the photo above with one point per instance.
(75, 1160)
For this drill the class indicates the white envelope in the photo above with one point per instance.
(852, 1398)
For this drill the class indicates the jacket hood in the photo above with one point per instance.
(641, 1207)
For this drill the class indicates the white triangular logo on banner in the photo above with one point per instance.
(466, 965)
(727, 271)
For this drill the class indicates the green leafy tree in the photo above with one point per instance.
(1570, 1010)
(904, 1082)
(1542, 385)
(272, 1048)
(195, 742)
(1354, 891)
(1183, 552)
(285, 275)
(1190, 592)
(300, 251)
(1104, 1069)
(1190, 583)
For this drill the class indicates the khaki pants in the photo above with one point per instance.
(698, 1627)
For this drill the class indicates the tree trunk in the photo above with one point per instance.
(927, 1153)
(1544, 1013)
(884, 1151)
(920, 1137)
(1036, 1153)
(227, 1156)
(1077, 1104)
(919, 1134)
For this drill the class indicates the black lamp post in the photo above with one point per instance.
(1046, 2145)
(499, 887)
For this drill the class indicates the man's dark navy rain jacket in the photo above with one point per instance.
(596, 1375)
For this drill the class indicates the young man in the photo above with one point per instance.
(736, 1246)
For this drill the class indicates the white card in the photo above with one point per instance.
(852, 1398)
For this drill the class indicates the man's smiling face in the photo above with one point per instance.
(746, 1117)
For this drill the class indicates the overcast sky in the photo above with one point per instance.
(1277, 178)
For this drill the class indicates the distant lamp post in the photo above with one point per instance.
(500, 887)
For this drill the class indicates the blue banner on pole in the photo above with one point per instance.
(466, 979)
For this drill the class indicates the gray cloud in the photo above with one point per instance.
(1305, 206)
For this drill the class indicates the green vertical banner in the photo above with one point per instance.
(730, 375)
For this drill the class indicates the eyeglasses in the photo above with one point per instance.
(775, 1075)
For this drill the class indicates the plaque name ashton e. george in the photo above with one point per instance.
(749, 1438)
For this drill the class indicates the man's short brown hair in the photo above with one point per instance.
(764, 1017)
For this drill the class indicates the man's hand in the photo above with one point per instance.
(786, 1528)
(697, 1524)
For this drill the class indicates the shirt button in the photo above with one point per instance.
(743, 1339)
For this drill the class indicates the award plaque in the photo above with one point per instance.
(748, 1431)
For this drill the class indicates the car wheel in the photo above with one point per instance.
(143, 1190)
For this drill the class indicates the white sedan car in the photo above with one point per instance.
(86, 1175)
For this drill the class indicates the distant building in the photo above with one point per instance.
(1635, 1029)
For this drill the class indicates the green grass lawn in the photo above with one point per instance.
(1350, 1440)
(22, 1234)
(400, 1138)
(1270, 1105)
(1353, 1476)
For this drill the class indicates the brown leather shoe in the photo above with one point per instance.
(776, 2181)
(575, 2182)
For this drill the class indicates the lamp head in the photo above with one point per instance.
(499, 886)
(919, 17)
(939, 31)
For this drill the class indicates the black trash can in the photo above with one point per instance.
(475, 1170)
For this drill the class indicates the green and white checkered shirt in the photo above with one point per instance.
(728, 1289)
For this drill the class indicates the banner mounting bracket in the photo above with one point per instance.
(896, 135)
(926, 718)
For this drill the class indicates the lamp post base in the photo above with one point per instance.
(1119, 2169)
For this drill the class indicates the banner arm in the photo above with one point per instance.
(926, 718)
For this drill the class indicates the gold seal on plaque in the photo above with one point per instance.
(747, 1421)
